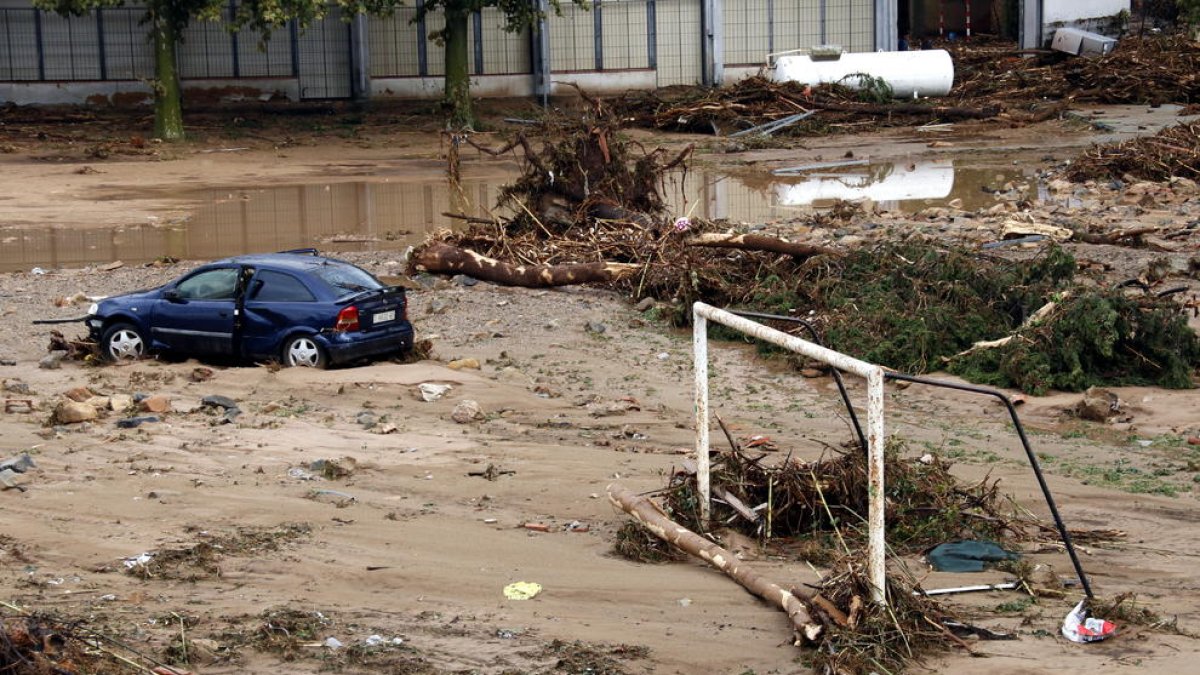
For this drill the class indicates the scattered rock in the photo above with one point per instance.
(466, 411)
(367, 420)
(460, 364)
(645, 305)
(1098, 405)
(218, 401)
(134, 422)
(431, 392)
(114, 265)
(595, 328)
(79, 394)
(438, 306)
(156, 404)
(463, 280)
(73, 412)
(119, 402)
(200, 374)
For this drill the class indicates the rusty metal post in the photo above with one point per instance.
(700, 357)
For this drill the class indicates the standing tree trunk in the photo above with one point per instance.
(458, 77)
(168, 109)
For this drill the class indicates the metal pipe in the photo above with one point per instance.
(1033, 461)
(700, 360)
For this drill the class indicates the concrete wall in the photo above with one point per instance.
(138, 93)
(1059, 12)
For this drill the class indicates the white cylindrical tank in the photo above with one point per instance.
(928, 72)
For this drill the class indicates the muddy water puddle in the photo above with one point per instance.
(390, 216)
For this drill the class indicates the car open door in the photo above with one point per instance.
(196, 316)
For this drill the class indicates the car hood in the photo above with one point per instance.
(124, 298)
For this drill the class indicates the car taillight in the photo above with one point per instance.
(347, 320)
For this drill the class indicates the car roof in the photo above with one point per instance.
(297, 262)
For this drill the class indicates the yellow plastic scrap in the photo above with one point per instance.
(522, 590)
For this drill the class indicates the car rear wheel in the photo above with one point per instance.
(122, 342)
(302, 350)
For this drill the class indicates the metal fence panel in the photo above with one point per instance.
(678, 42)
(18, 45)
(503, 53)
(624, 35)
(395, 46)
(748, 37)
(272, 57)
(324, 58)
(71, 47)
(797, 25)
(850, 23)
(572, 39)
(206, 51)
(128, 53)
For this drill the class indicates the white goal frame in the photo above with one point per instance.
(873, 374)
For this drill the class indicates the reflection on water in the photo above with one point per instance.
(376, 216)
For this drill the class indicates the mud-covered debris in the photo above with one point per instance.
(1098, 405)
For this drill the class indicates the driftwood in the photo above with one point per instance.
(447, 259)
(793, 602)
(1130, 236)
(758, 242)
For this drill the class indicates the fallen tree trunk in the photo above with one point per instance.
(446, 259)
(758, 242)
(791, 602)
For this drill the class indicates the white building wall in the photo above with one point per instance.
(1074, 11)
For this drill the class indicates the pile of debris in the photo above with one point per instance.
(757, 101)
(1148, 69)
(1173, 152)
(34, 644)
(589, 210)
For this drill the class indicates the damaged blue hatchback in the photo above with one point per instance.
(298, 308)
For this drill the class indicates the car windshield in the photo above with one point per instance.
(347, 278)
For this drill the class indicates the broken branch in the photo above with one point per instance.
(648, 514)
(447, 259)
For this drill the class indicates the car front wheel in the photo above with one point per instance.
(122, 342)
(302, 350)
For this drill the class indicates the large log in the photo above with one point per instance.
(446, 259)
(758, 242)
(677, 535)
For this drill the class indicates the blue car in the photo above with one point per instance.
(297, 308)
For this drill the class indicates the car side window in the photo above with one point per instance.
(219, 284)
(271, 286)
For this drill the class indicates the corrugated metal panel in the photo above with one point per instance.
(747, 32)
(624, 34)
(678, 46)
